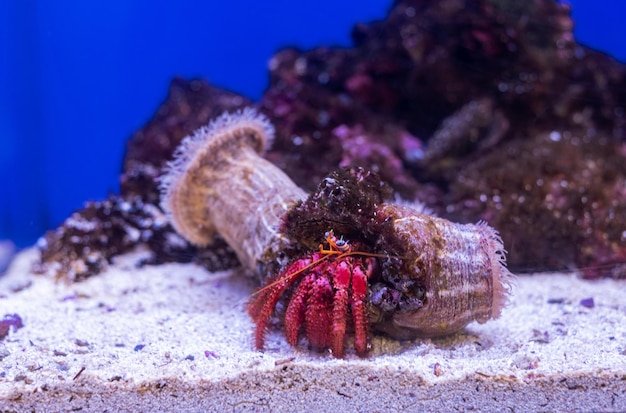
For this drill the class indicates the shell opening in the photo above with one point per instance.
(228, 132)
(502, 277)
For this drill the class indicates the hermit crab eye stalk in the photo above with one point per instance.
(335, 244)
(342, 245)
(405, 273)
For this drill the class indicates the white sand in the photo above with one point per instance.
(197, 350)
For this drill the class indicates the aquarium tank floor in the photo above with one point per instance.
(176, 337)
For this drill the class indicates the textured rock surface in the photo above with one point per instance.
(176, 337)
(481, 109)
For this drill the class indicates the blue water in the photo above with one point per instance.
(78, 77)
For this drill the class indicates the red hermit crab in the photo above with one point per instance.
(333, 284)
(406, 273)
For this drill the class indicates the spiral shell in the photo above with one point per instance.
(460, 269)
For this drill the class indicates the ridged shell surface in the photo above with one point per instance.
(461, 267)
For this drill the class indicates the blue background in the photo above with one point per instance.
(78, 77)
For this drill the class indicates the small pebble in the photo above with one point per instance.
(587, 302)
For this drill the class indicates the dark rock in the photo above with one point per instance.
(481, 109)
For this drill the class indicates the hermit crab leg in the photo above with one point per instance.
(318, 316)
(296, 310)
(262, 306)
(341, 276)
(359, 308)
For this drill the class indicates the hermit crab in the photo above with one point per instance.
(332, 283)
(345, 261)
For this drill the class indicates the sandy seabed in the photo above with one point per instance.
(175, 337)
